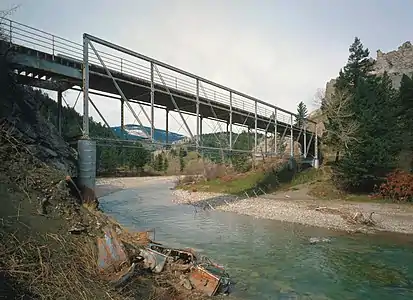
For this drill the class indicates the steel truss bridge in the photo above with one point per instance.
(99, 67)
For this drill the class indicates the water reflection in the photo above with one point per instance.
(270, 259)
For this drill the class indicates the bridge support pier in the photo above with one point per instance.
(87, 169)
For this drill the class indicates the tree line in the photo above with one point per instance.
(368, 124)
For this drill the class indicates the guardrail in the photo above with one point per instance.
(18, 33)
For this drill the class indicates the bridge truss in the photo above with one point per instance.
(99, 67)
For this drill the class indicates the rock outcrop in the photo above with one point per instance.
(20, 114)
(396, 63)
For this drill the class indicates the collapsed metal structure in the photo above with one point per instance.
(47, 61)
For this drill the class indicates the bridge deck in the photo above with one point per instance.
(65, 73)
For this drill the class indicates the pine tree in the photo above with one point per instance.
(181, 154)
(405, 117)
(374, 151)
(341, 124)
(358, 66)
(165, 164)
(158, 162)
(302, 114)
(138, 157)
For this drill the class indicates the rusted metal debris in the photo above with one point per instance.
(119, 263)
(111, 252)
(197, 272)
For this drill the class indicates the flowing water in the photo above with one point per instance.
(269, 259)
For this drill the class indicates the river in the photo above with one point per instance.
(270, 259)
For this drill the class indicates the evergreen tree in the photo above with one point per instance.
(369, 105)
(302, 114)
(405, 117)
(358, 66)
(181, 154)
(108, 159)
(341, 124)
(165, 164)
(373, 153)
(159, 162)
(138, 157)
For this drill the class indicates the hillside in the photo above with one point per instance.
(136, 132)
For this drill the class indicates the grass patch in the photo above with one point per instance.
(256, 182)
(307, 176)
(235, 185)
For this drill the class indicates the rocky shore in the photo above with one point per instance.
(297, 207)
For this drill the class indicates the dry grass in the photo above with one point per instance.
(52, 266)
(40, 259)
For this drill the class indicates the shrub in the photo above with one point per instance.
(214, 171)
(398, 186)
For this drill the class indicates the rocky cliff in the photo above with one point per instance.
(19, 114)
(395, 63)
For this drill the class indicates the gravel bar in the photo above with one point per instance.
(297, 207)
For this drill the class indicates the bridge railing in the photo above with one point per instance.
(21, 34)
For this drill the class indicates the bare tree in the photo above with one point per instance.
(319, 97)
(3, 15)
(341, 126)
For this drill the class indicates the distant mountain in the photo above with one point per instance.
(136, 132)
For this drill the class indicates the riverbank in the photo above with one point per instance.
(294, 205)
(298, 207)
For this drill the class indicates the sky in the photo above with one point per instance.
(281, 52)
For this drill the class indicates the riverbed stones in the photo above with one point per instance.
(302, 210)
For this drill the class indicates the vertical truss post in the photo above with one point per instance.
(59, 111)
(119, 89)
(230, 121)
(316, 161)
(178, 110)
(305, 139)
(167, 127)
(249, 137)
(122, 117)
(152, 104)
(103, 118)
(265, 144)
(309, 143)
(85, 78)
(200, 134)
(292, 137)
(227, 130)
(275, 132)
(198, 117)
(256, 129)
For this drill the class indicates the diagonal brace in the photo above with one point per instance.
(173, 101)
(119, 90)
